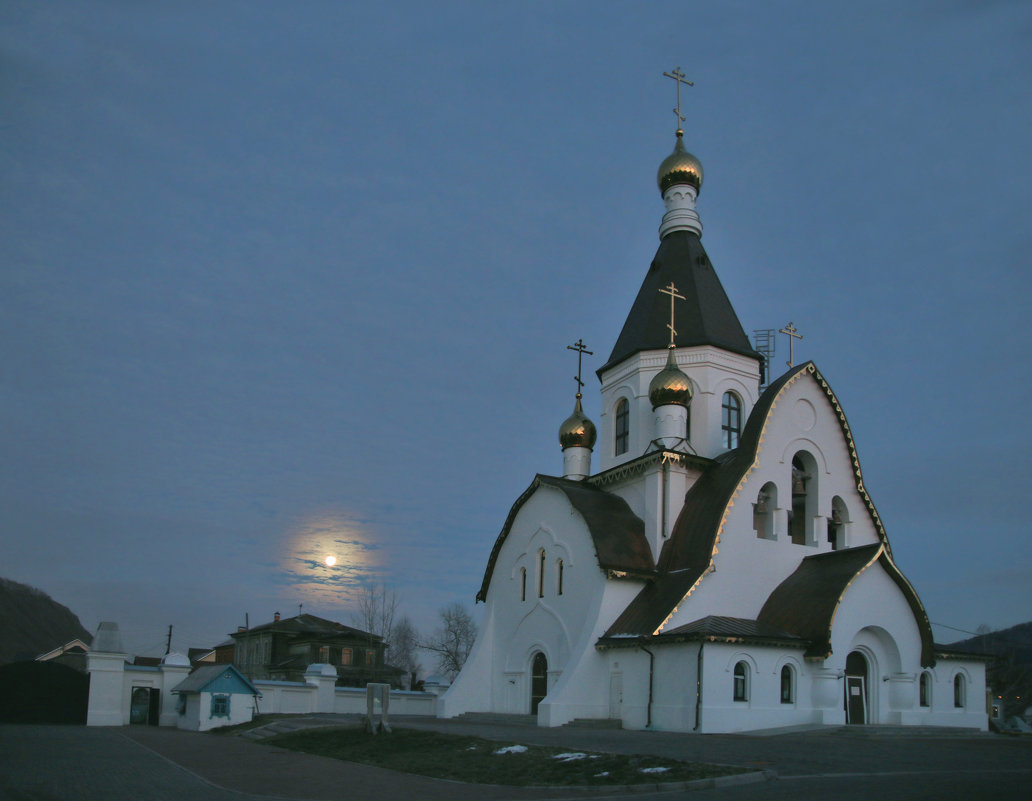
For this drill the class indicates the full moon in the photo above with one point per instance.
(331, 561)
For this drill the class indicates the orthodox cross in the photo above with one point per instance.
(678, 76)
(790, 329)
(672, 292)
(581, 350)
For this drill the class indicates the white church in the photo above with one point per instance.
(725, 568)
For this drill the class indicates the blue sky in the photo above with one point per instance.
(282, 280)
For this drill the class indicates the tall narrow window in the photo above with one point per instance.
(370, 657)
(959, 691)
(541, 573)
(623, 418)
(804, 499)
(925, 689)
(346, 656)
(324, 653)
(741, 690)
(787, 690)
(559, 578)
(523, 584)
(731, 420)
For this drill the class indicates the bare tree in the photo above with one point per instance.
(453, 639)
(376, 608)
(401, 651)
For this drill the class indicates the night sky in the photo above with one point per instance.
(287, 280)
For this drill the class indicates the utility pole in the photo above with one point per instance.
(168, 645)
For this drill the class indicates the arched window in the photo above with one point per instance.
(741, 690)
(763, 511)
(804, 499)
(959, 691)
(787, 685)
(523, 584)
(541, 573)
(925, 689)
(559, 578)
(837, 524)
(731, 420)
(623, 420)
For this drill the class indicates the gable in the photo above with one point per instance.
(617, 534)
(216, 679)
(688, 555)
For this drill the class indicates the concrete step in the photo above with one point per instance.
(595, 723)
(501, 718)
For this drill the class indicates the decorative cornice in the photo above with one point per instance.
(637, 467)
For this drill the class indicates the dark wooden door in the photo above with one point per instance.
(538, 681)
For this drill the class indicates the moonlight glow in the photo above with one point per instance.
(331, 561)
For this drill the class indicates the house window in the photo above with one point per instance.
(731, 420)
(324, 653)
(623, 419)
(787, 685)
(541, 573)
(559, 578)
(370, 657)
(219, 705)
(347, 656)
(925, 689)
(741, 691)
(523, 584)
(959, 691)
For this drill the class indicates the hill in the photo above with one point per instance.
(1010, 673)
(31, 622)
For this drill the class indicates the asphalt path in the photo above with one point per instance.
(66, 763)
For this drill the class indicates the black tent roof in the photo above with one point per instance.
(704, 317)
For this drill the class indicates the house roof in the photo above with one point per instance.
(704, 317)
(203, 676)
(688, 554)
(306, 626)
(617, 533)
(805, 603)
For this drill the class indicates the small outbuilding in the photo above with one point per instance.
(214, 696)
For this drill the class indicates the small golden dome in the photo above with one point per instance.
(577, 431)
(680, 167)
(670, 385)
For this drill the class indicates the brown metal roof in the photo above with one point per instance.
(688, 553)
(617, 533)
(805, 602)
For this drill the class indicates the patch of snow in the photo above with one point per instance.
(653, 770)
(570, 756)
(512, 749)
(602, 774)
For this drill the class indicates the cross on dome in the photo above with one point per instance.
(790, 329)
(581, 350)
(678, 76)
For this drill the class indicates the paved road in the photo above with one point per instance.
(67, 763)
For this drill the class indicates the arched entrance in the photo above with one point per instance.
(538, 681)
(857, 688)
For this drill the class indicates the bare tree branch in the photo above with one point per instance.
(453, 639)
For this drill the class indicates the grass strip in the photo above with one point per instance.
(471, 759)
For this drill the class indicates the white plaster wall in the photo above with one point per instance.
(241, 710)
(747, 568)
(763, 708)
(712, 372)
(107, 688)
(497, 675)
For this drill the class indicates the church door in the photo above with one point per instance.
(538, 681)
(144, 705)
(856, 688)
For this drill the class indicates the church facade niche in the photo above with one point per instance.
(764, 510)
(838, 524)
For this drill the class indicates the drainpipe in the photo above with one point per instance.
(663, 504)
(648, 712)
(698, 688)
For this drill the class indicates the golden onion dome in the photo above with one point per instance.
(680, 167)
(577, 431)
(670, 385)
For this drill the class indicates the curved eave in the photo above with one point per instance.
(617, 534)
(806, 603)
